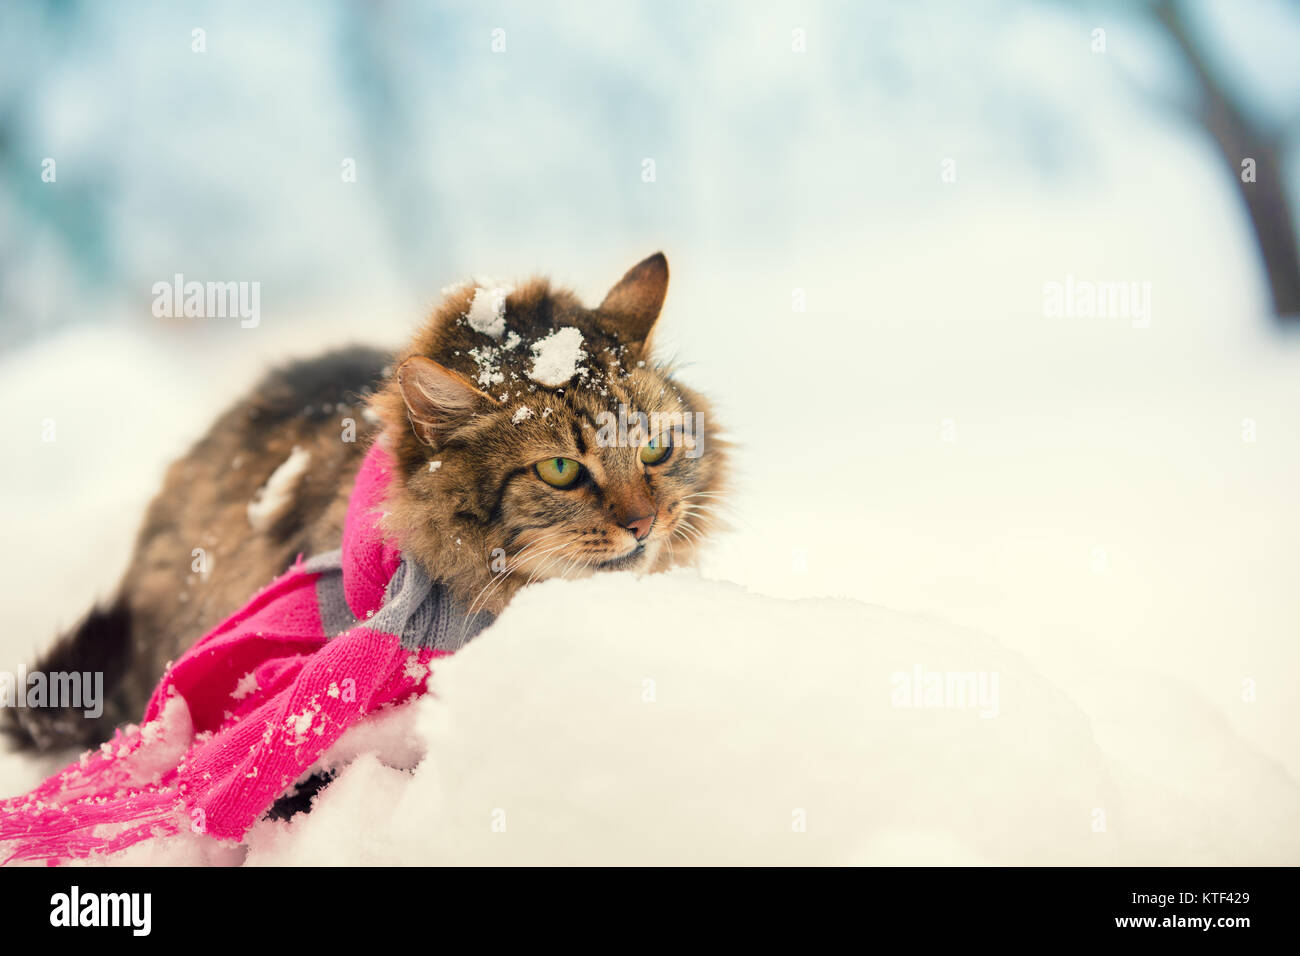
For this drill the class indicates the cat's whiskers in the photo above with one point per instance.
(716, 500)
(688, 531)
(491, 588)
(528, 552)
(712, 515)
(568, 566)
(692, 511)
(545, 568)
(538, 552)
(586, 560)
(538, 572)
(723, 510)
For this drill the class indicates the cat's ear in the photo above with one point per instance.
(632, 306)
(438, 399)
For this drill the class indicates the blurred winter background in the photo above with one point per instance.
(861, 205)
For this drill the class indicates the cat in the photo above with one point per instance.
(509, 469)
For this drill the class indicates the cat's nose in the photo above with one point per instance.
(641, 526)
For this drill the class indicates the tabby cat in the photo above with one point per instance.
(507, 418)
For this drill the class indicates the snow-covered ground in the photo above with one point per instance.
(767, 731)
(772, 731)
(1130, 587)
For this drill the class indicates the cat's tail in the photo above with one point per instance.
(68, 698)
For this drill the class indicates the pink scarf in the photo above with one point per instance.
(251, 707)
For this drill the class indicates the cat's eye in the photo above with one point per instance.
(656, 451)
(559, 472)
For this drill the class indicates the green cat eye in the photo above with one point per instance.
(657, 450)
(560, 472)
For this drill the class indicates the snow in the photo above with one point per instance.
(301, 723)
(488, 308)
(276, 497)
(556, 357)
(169, 736)
(247, 684)
(778, 739)
(522, 414)
(519, 736)
(488, 360)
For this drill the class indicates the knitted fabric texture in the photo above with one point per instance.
(248, 710)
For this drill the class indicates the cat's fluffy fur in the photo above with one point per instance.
(466, 500)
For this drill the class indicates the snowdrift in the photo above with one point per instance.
(679, 720)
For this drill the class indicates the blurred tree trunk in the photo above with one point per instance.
(1239, 138)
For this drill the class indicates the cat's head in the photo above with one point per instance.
(536, 438)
